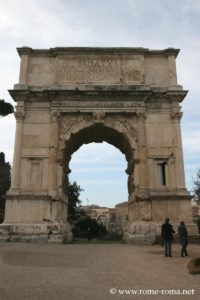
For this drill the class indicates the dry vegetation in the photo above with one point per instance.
(194, 266)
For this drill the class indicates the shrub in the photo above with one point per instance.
(194, 266)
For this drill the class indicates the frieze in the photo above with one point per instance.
(101, 104)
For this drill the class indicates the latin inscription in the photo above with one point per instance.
(99, 71)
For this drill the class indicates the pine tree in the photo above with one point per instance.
(5, 108)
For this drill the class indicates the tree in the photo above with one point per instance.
(74, 201)
(5, 180)
(87, 225)
(196, 188)
(5, 108)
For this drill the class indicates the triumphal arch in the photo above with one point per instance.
(67, 97)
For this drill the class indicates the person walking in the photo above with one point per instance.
(167, 235)
(182, 230)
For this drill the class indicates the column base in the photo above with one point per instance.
(149, 233)
(141, 233)
(41, 233)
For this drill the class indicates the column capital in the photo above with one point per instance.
(19, 116)
(141, 114)
(54, 114)
(176, 115)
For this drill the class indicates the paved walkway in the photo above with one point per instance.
(93, 272)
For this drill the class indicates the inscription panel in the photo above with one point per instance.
(97, 71)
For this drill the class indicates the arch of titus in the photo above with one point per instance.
(67, 97)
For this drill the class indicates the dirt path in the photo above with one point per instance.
(93, 272)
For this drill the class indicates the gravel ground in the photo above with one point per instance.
(94, 272)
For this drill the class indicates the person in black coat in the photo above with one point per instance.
(182, 230)
(167, 235)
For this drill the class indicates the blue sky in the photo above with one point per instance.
(154, 24)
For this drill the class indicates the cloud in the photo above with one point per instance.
(95, 168)
(153, 24)
(98, 153)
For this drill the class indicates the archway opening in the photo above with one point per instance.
(95, 137)
(99, 168)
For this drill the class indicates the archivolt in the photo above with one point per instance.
(84, 131)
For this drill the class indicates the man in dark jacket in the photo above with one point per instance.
(182, 230)
(167, 235)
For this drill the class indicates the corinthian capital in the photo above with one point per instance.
(19, 115)
(54, 115)
(176, 115)
(141, 114)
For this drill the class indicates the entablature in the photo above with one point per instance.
(97, 93)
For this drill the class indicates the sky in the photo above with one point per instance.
(154, 24)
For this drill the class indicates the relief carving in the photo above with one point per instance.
(176, 115)
(73, 124)
(99, 116)
(19, 115)
(54, 114)
(141, 114)
(125, 125)
(70, 123)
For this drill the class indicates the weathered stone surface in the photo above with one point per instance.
(140, 239)
(67, 97)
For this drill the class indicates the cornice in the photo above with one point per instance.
(60, 51)
(100, 94)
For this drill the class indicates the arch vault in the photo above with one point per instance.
(67, 97)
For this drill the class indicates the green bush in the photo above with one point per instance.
(89, 228)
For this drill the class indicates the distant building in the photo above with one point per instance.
(111, 214)
(112, 218)
(101, 214)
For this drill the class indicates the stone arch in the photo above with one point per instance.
(73, 136)
(70, 96)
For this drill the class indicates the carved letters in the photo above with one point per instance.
(99, 70)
